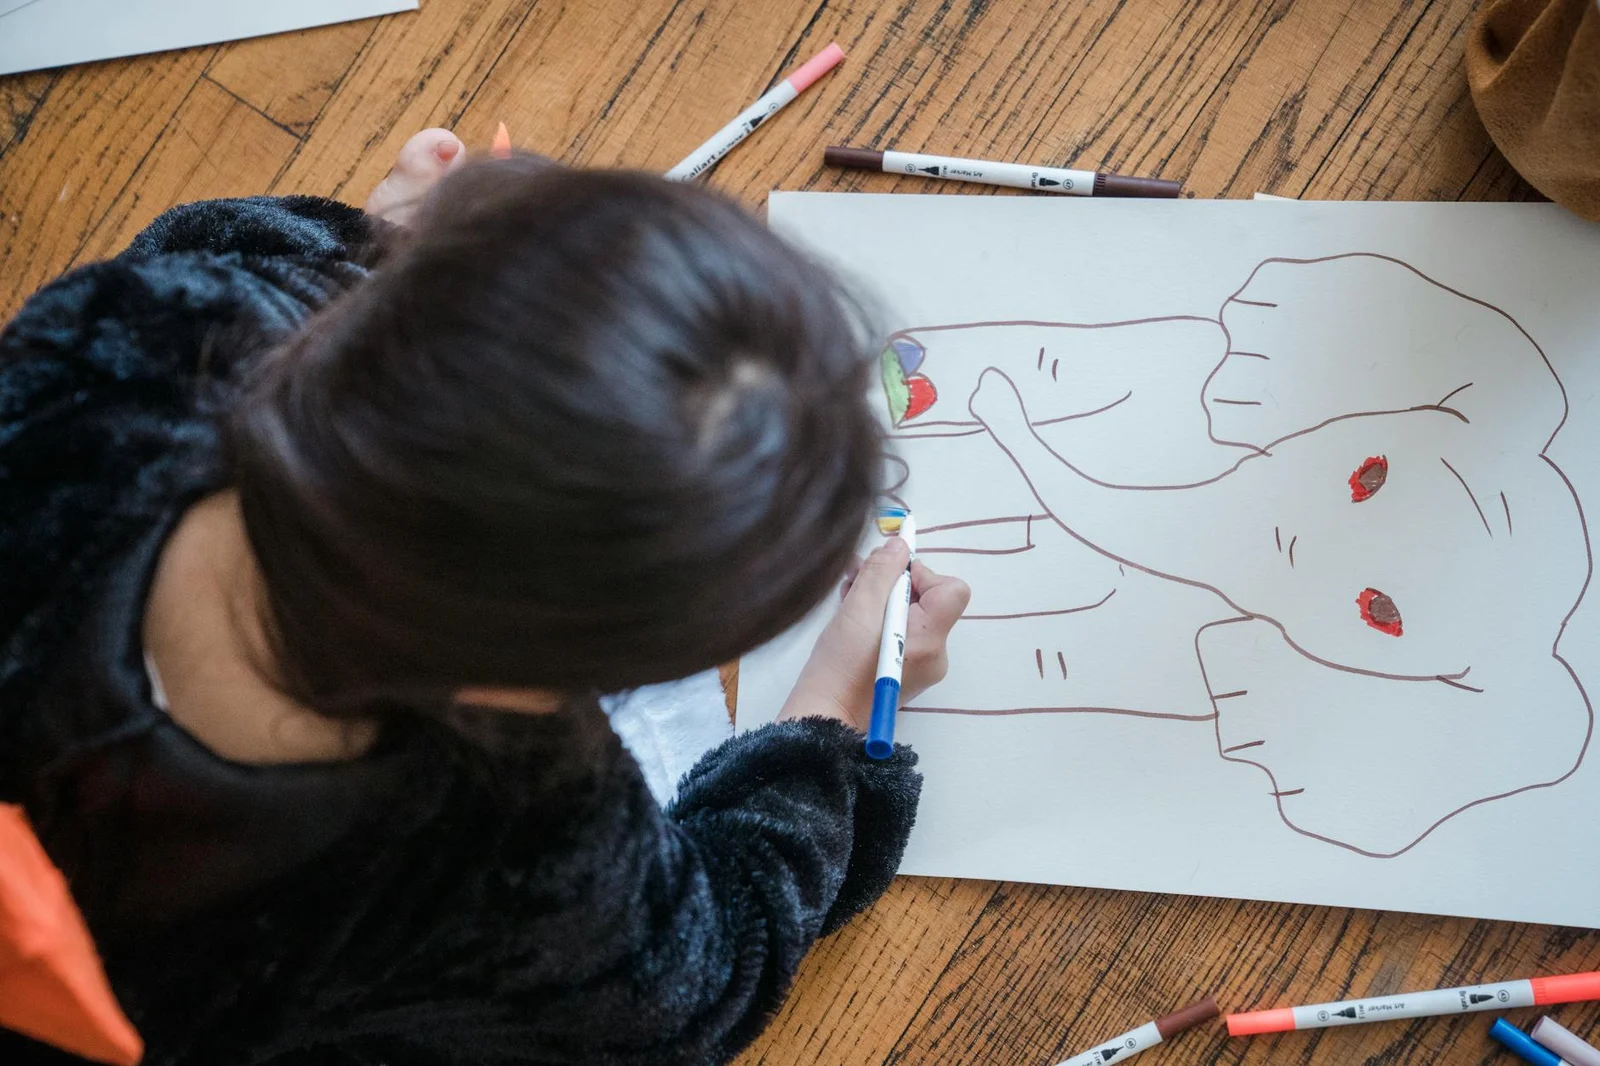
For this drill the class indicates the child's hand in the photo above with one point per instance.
(423, 160)
(837, 680)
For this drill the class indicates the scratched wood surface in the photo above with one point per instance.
(1351, 99)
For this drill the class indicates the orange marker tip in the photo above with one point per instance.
(501, 149)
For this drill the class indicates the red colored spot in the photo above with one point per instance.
(923, 394)
(1379, 612)
(1368, 478)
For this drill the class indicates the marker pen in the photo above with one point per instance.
(1148, 1035)
(1011, 175)
(1568, 1045)
(1539, 992)
(892, 654)
(723, 141)
(1522, 1045)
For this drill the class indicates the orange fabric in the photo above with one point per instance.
(52, 986)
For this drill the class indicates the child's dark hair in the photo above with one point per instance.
(581, 431)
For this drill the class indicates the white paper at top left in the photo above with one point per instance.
(36, 34)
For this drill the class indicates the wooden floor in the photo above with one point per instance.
(1316, 98)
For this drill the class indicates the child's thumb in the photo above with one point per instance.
(869, 592)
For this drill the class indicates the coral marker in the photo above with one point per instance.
(1538, 992)
(501, 148)
(744, 123)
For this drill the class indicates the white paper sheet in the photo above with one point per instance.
(35, 34)
(1171, 400)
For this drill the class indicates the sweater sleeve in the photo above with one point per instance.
(777, 837)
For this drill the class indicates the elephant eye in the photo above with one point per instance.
(1379, 612)
(1368, 478)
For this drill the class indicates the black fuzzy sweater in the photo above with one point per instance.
(427, 903)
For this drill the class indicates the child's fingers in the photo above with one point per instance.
(940, 598)
(850, 578)
(870, 589)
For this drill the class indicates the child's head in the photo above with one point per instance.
(582, 430)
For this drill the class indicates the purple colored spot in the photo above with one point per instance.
(909, 352)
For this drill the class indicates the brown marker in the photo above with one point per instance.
(1011, 175)
(1148, 1035)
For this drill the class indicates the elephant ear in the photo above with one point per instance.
(1311, 340)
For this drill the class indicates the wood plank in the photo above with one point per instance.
(21, 96)
(84, 144)
(291, 77)
(1495, 179)
(215, 146)
(642, 85)
(418, 70)
(1049, 972)
(859, 989)
(1416, 137)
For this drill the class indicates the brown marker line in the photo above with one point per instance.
(1249, 616)
(1231, 695)
(979, 522)
(1566, 407)
(1253, 355)
(1244, 614)
(1037, 614)
(1041, 358)
(1085, 414)
(968, 712)
(1241, 747)
(976, 551)
(1452, 392)
(1038, 658)
(1507, 508)
(1240, 403)
(1054, 367)
(1277, 535)
(1470, 496)
(972, 422)
(1062, 659)
(1291, 792)
(1037, 322)
(1251, 303)
(1456, 684)
(1292, 541)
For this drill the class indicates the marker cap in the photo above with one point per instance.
(880, 733)
(1568, 1045)
(815, 67)
(1170, 1025)
(1122, 185)
(1568, 988)
(1521, 1044)
(1257, 1022)
(864, 158)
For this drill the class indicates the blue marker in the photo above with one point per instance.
(892, 650)
(1523, 1046)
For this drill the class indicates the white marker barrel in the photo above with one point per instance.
(1013, 175)
(1132, 1042)
(728, 137)
(1416, 1005)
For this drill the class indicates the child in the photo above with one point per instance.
(321, 539)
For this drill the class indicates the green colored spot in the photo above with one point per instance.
(895, 390)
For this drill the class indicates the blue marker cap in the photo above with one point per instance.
(1522, 1045)
(880, 732)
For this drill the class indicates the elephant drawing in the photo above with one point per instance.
(1324, 521)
